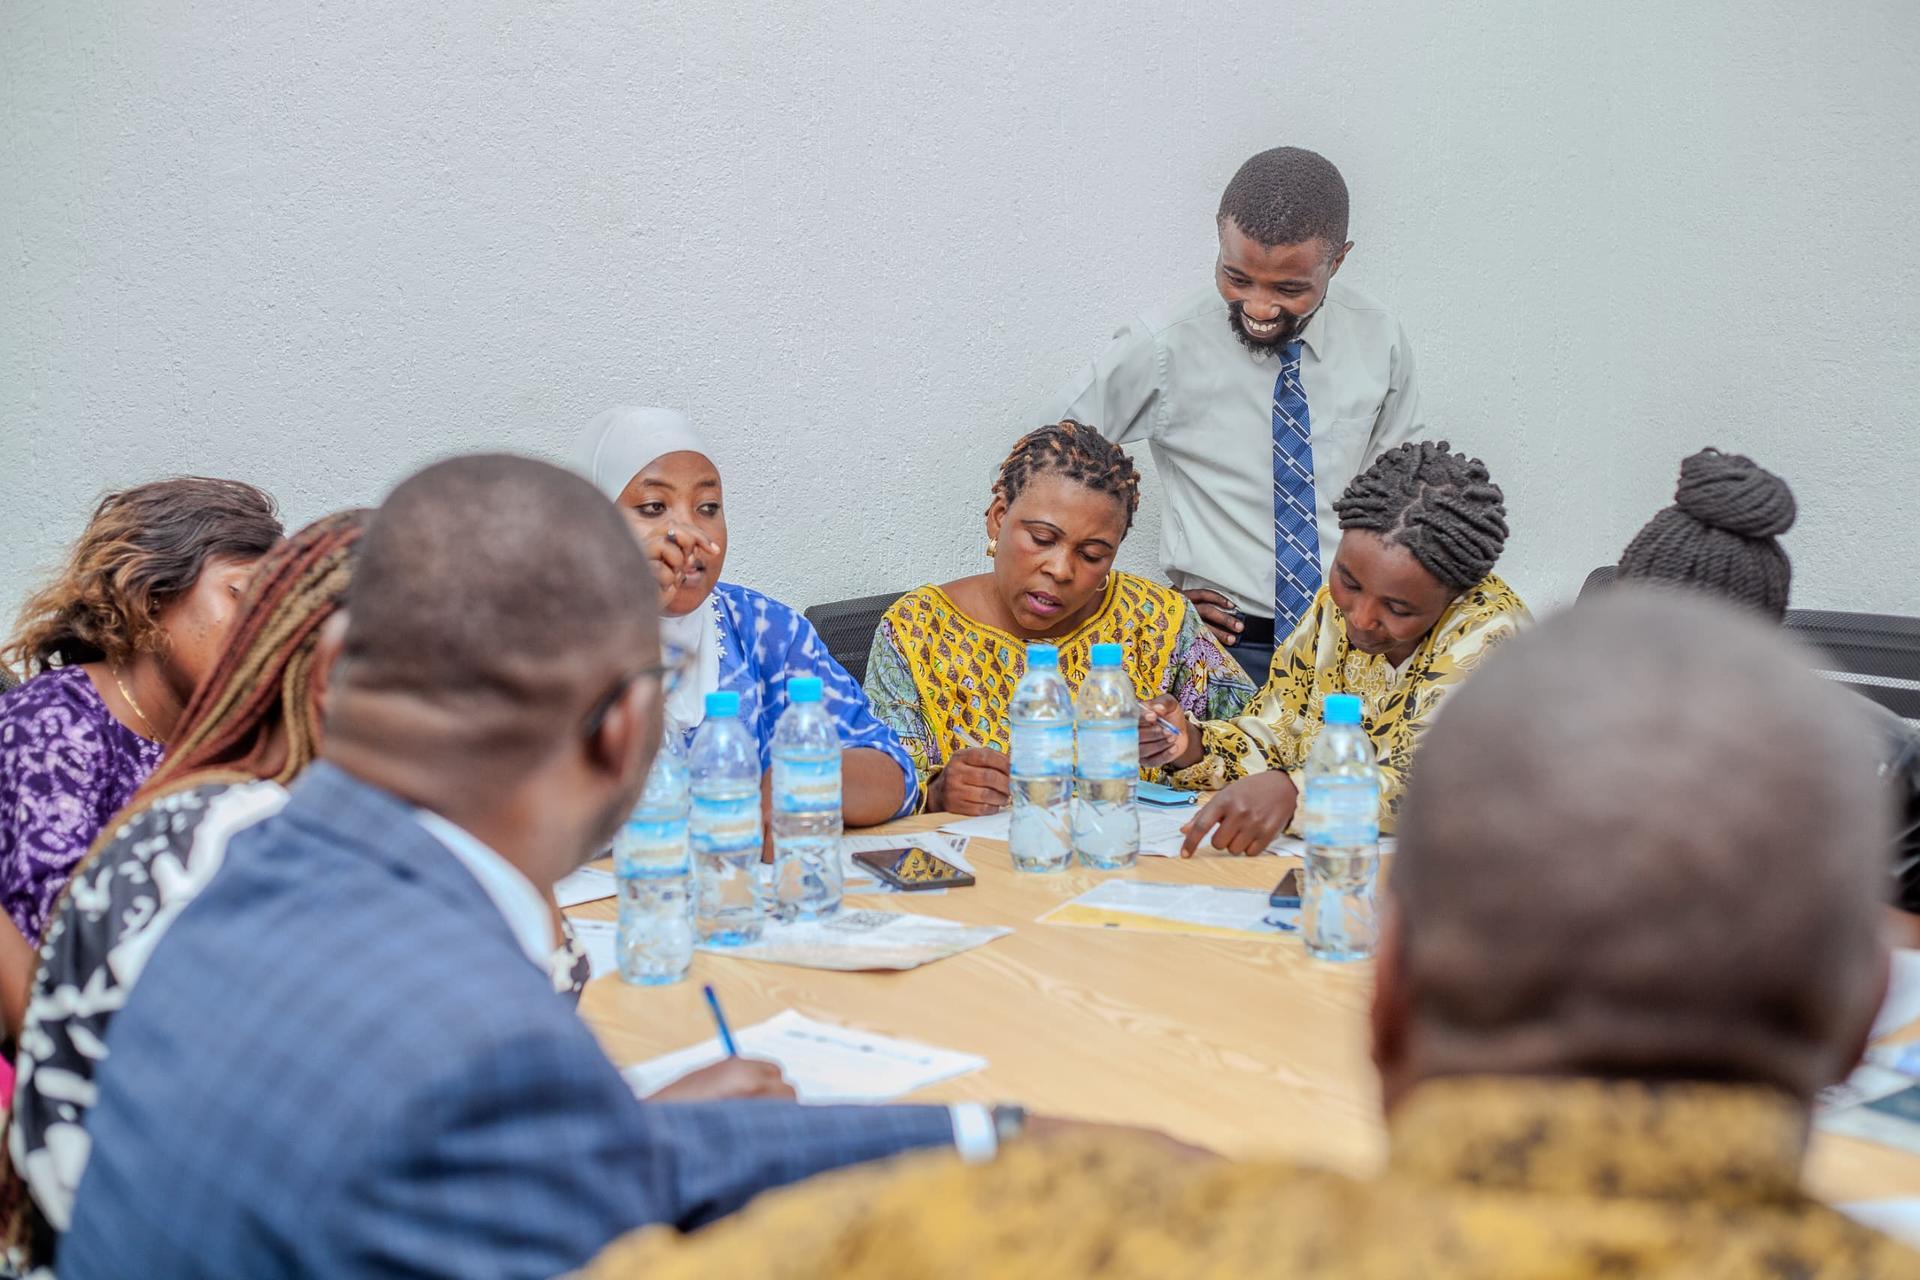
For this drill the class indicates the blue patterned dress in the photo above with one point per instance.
(763, 644)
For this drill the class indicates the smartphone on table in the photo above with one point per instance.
(912, 869)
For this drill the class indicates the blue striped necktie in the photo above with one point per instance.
(1296, 530)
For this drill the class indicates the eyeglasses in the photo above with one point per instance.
(671, 674)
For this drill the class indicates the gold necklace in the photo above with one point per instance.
(128, 695)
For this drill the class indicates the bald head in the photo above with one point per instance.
(1643, 841)
(497, 600)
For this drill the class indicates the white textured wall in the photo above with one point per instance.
(314, 246)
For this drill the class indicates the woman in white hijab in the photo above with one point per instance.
(654, 465)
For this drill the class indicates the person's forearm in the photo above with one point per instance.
(18, 963)
(872, 787)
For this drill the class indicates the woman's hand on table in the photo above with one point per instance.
(728, 1078)
(1245, 817)
(1167, 737)
(976, 781)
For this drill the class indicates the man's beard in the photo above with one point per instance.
(1290, 327)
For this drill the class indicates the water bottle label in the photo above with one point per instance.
(806, 785)
(722, 824)
(1341, 811)
(1043, 750)
(650, 847)
(1109, 751)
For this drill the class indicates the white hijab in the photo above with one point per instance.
(617, 446)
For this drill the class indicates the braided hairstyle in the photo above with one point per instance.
(264, 678)
(1721, 534)
(1076, 451)
(1443, 507)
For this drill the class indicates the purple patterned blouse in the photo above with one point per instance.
(66, 767)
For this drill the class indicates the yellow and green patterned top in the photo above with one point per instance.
(942, 681)
(1279, 726)
(1487, 1178)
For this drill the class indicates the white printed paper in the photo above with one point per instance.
(1897, 1218)
(1876, 1104)
(588, 884)
(597, 939)
(855, 941)
(823, 1063)
(1161, 833)
(1246, 911)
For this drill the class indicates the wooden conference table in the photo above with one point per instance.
(1247, 1047)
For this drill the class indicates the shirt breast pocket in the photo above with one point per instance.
(1338, 450)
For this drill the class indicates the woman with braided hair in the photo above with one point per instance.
(1410, 606)
(946, 659)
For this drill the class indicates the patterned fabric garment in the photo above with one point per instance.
(97, 943)
(66, 767)
(1492, 1179)
(943, 681)
(764, 644)
(1397, 703)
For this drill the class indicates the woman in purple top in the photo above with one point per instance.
(118, 642)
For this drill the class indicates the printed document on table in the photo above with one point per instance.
(1160, 831)
(588, 884)
(596, 938)
(1177, 908)
(822, 1062)
(1876, 1104)
(855, 941)
(1899, 1218)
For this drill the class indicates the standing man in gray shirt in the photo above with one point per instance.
(1276, 363)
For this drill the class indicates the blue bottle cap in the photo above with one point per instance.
(1341, 708)
(1107, 655)
(803, 689)
(722, 703)
(1043, 655)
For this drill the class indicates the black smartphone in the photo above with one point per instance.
(912, 869)
(1286, 894)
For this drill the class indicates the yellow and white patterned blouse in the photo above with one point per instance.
(1488, 1179)
(1279, 726)
(942, 681)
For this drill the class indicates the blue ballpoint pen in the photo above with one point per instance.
(720, 1021)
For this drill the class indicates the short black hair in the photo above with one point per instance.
(502, 586)
(1288, 195)
(1443, 507)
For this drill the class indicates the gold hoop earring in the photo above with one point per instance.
(993, 547)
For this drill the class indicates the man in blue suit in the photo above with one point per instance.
(346, 1057)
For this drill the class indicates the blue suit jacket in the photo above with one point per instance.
(340, 1062)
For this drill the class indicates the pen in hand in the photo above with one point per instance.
(720, 1021)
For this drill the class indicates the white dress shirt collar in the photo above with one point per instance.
(519, 903)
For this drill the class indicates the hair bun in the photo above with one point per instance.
(1731, 492)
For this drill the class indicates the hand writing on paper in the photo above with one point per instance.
(1245, 817)
(728, 1078)
(1167, 739)
(976, 781)
(1218, 613)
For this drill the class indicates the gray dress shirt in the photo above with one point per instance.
(1178, 378)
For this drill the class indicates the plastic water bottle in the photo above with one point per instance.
(1042, 758)
(655, 935)
(807, 873)
(1106, 827)
(724, 826)
(1340, 819)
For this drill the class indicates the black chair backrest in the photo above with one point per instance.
(8, 680)
(1877, 655)
(848, 626)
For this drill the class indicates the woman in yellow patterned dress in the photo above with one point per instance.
(946, 659)
(1409, 606)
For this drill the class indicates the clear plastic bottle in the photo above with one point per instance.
(1106, 826)
(1340, 821)
(724, 826)
(1041, 837)
(807, 872)
(650, 860)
